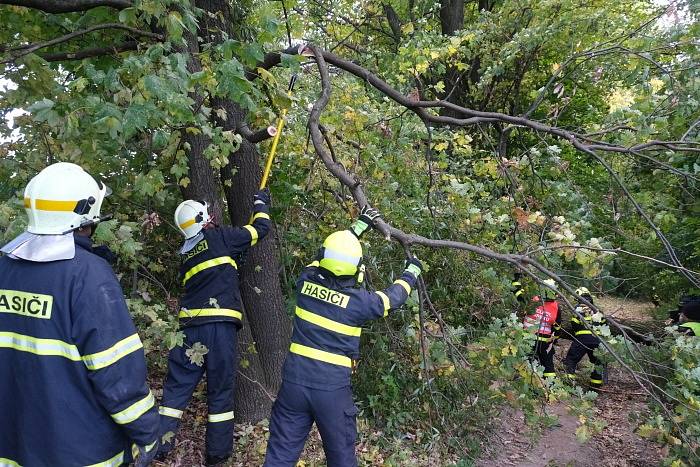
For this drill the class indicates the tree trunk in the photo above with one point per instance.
(451, 16)
(204, 184)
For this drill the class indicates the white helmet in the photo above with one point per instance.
(62, 197)
(191, 216)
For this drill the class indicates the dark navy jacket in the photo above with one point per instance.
(209, 272)
(72, 370)
(329, 314)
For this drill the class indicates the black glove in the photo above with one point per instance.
(144, 457)
(414, 266)
(366, 220)
(262, 197)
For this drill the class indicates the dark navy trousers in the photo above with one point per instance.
(220, 365)
(296, 409)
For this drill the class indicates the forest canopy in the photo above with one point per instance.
(554, 138)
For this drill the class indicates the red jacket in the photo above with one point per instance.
(546, 320)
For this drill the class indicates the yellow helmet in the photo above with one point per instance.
(342, 253)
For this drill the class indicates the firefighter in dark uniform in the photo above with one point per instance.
(72, 366)
(518, 289)
(585, 340)
(545, 322)
(331, 306)
(689, 317)
(211, 314)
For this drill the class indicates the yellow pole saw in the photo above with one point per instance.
(276, 139)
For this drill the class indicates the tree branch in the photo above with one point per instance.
(31, 48)
(256, 136)
(67, 6)
(90, 52)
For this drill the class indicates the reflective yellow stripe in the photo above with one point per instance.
(8, 462)
(326, 323)
(575, 320)
(596, 381)
(27, 204)
(53, 205)
(544, 339)
(206, 312)
(107, 357)
(253, 234)
(313, 264)
(220, 417)
(547, 375)
(188, 223)
(404, 284)
(43, 347)
(170, 412)
(209, 264)
(113, 462)
(385, 301)
(578, 333)
(260, 215)
(135, 448)
(321, 355)
(135, 410)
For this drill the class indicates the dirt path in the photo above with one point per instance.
(618, 404)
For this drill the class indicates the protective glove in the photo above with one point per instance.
(365, 221)
(414, 266)
(144, 457)
(262, 197)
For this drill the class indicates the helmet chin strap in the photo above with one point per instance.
(89, 223)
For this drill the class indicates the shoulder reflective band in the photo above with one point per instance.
(519, 292)
(4, 462)
(43, 347)
(385, 302)
(260, 215)
(121, 349)
(134, 411)
(253, 234)
(315, 354)
(170, 412)
(404, 284)
(585, 331)
(220, 417)
(209, 264)
(207, 312)
(50, 205)
(115, 461)
(186, 224)
(326, 323)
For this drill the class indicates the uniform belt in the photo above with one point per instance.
(209, 312)
(210, 263)
(322, 355)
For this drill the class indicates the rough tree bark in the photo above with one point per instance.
(267, 324)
